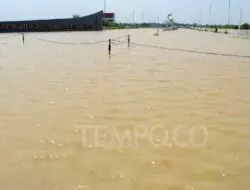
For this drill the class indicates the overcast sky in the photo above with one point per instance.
(186, 11)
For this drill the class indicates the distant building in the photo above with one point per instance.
(109, 17)
(93, 22)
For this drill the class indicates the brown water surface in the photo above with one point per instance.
(50, 93)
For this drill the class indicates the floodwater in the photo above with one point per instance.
(72, 117)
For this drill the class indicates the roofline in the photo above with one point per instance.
(58, 19)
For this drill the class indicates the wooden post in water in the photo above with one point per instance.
(129, 41)
(23, 37)
(109, 47)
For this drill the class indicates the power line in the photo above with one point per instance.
(71, 43)
(79, 43)
(191, 51)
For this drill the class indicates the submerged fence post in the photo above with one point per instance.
(109, 46)
(129, 40)
(23, 37)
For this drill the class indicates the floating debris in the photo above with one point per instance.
(57, 156)
(164, 162)
(157, 141)
(122, 176)
(104, 136)
(77, 130)
(153, 162)
(187, 187)
(52, 142)
(37, 158)
(52, 156)
(60, 145)
(51, 102)
(91, 117)
(82, 187)
(224, 175)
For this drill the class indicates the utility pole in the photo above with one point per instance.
(158, 29)
(134, 17)
(105, 6)
(210, 13)
(142, 16)
(229, 12)
(240, 22)
(200, 21)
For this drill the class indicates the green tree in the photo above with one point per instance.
(106, 23)
(245, 26)
(76, 16)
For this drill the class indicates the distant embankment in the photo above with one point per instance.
(243, 33)
(238, 32)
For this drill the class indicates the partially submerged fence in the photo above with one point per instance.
(127, 40)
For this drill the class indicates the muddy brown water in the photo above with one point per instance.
(71, 117)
